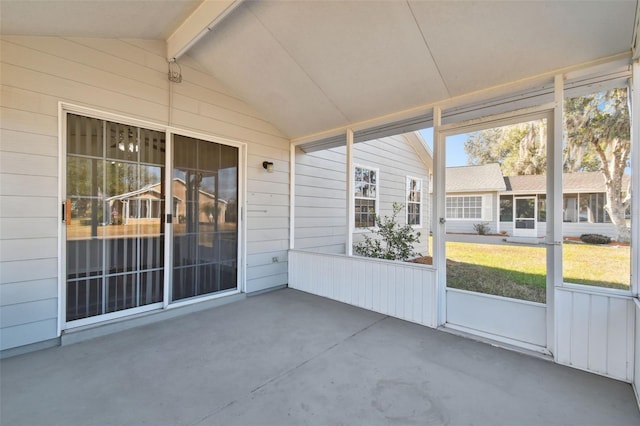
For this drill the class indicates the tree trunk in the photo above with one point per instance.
(616, 208)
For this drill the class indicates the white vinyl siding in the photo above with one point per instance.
(321, 191)
(126, 77)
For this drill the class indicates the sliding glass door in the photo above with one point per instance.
(205, 194)
(116, 217)
(114, 226)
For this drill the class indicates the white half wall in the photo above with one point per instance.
(636, 374)
(497, 317)
(398, 289)
(595, 331)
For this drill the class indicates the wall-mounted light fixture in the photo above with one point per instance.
(268, 166)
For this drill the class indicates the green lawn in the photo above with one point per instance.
(520, 271)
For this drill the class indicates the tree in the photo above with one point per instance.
(520, 149)
(598, 135)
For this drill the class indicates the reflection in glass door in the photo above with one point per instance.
(205, 205)
(115, 196)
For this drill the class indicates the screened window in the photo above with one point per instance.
(366, 196)
(464, 207)
(506, 208)
(542, 208)
(414, 201)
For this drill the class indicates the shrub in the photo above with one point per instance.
(393, 242)
(482, 228)
(595, 239)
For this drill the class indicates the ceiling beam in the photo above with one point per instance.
(196, 25)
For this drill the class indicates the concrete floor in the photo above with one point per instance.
(288, 357)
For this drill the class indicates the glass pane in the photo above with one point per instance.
(122, 142)
(495, 182)
(84, 298)
(205, 203)
(185, 152)
(84, 136)
(85, 176)
(116, 227)
(596, 190)
(121, 292)
(152, 147)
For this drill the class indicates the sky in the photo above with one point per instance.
(455, 154)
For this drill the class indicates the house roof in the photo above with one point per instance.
(486, 177)
(571, 183)
(311, 67)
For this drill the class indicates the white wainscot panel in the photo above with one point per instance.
(595, 331)
(498, 317)
(636, 376)
(398, 289)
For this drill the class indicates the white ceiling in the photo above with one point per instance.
(311, 66)
(146, 19)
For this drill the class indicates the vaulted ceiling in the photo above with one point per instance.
(311, 66)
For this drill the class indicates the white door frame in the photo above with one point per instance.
(525, 232)
(65, 108)
(546, 111)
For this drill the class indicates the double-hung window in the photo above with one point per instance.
(366, 196)
(464, 207)
(414, 201)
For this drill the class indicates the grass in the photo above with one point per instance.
(520, 271)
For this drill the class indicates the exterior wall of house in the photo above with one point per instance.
(127, 77)
(489, 214)
(321, 191)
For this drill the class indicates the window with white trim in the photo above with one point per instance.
(464, 207)
(414, 201)
(366, 196)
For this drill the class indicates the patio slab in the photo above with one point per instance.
(288, 357)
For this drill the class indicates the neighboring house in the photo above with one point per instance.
(517, 204)
(144, 205)
(472, 196)
(379, 182)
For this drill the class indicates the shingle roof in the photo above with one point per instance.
(487, 177)
(571, 182)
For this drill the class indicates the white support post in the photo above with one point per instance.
(168, 212)
(292, 196)
(554, 206)
(635, 176)
(350, 193)
(439, 217)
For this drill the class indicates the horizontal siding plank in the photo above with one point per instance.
(28, 143)
(27, 228)
(25, 183)
(71, 91)
(25, 334)
(24, 121)
(100, 78)
(28, 312)
(21, 207)
(28, 270)
(264, 283)
(25, 249)
(29, 291)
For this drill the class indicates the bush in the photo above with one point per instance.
(482, 228)
(394, 242)
(595, 239)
